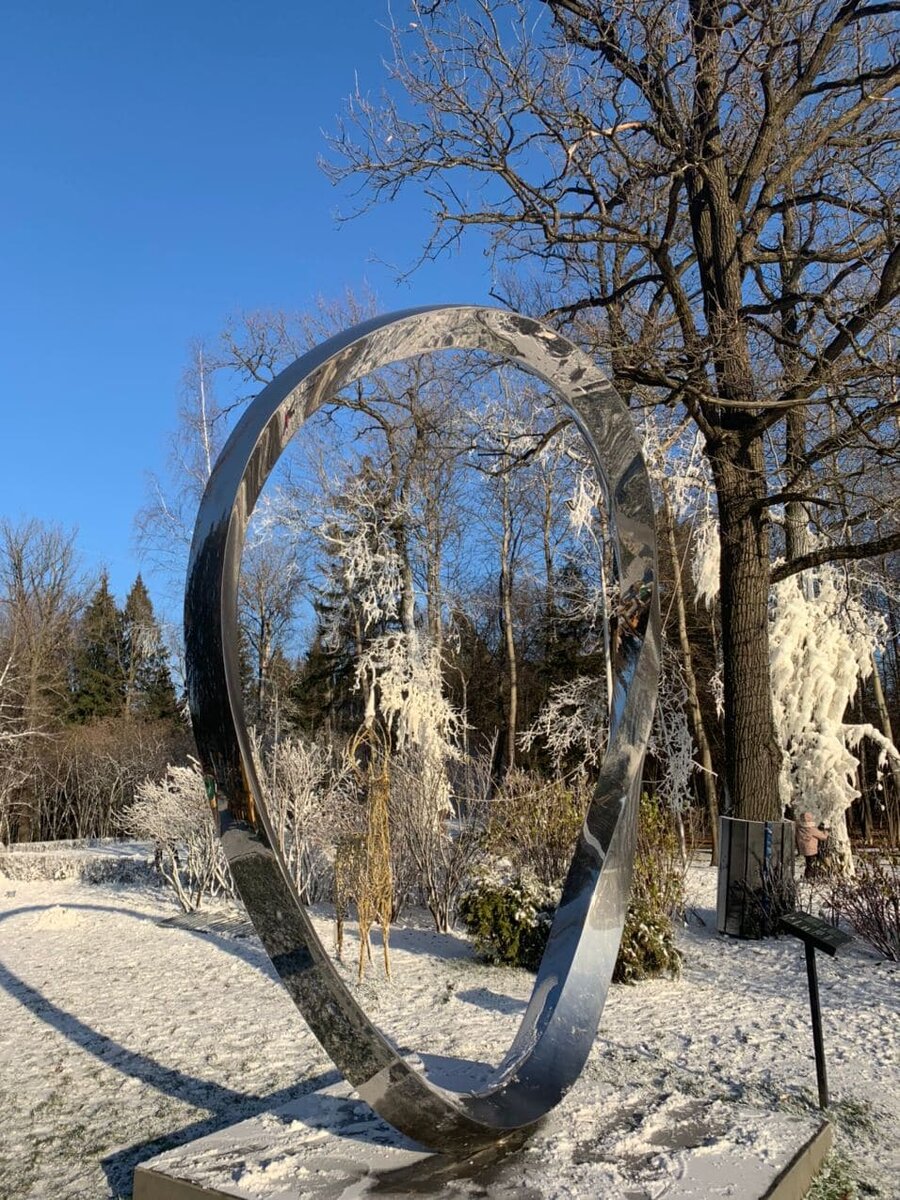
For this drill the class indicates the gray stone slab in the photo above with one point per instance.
(330, 1146)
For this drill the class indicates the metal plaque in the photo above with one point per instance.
(815, 931)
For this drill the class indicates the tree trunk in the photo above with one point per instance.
(434, 553)
(435, 625)
(695, 716)
(407, 586)
(892, 784)
(752, 757)
(797, 541)
(549, 580)
(506, 618)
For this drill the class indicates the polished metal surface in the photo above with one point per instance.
(562, 1016)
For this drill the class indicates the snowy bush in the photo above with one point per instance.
(435, 838)
(508, 914)
(175, 814)
(309, 795)
(508, 910)
(48, 863)
(648, 944)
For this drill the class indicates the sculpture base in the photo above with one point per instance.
(327, 1146)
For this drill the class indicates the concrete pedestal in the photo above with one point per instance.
(328, 1146)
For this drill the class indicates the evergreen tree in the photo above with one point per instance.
(98, 678)
(149, 692)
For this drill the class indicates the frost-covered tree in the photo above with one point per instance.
(672, 746)
(398, 670)
(683, 483)
(573, 723)
(821, 644)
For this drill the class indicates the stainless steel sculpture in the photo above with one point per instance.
(561, 1019)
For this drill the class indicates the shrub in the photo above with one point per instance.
(176, 815)
(657, 899)
(648, 944)
(534, 823)
(870, 901)
(508, 914)
(509, 911)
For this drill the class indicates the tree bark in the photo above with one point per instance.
(735, 450)
(752, 758)
(549, 574)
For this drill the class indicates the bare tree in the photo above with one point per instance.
(15, 738)
(165, 523)
(700, 187)
(40, 597)
(268, 596)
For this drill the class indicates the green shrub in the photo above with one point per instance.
(648, 944)
(508, 911)
(508, 915)
(657, 899)
(534, 824)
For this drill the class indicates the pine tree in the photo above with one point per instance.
(149, 693)
(98, 678)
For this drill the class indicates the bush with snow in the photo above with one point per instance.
(508, 913)
(534, 823)
(310, 799)
(508, 909)
(45, 861)
(436, 838)
(176, 815)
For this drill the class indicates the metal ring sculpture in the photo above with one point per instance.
(562, 1017)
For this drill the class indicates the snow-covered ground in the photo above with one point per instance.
(120, 1038)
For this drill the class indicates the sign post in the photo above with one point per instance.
(815, 935)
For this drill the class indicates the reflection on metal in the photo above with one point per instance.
(562, 1016)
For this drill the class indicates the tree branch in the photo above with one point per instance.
(828, 554)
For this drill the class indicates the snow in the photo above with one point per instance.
(821, 644)
(121, 1037)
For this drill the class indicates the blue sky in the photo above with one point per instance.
(158, 174)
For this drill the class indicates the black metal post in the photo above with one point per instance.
(816, 1014)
